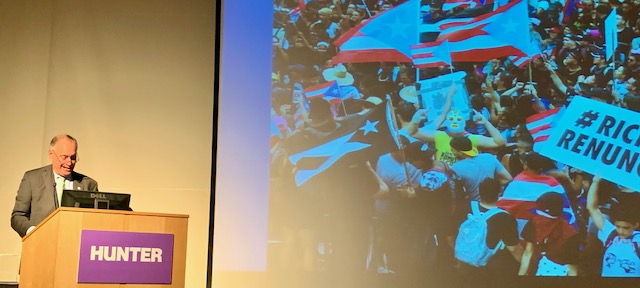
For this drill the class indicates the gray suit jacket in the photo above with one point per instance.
(36, 200)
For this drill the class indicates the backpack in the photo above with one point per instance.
(459, 194)
(471, 243)
(613, 235)
(453, 187)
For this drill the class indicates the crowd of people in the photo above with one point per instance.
(401, 212)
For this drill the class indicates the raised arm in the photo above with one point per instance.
(422, 134)
(496, 139)
(555, 78)
(495, 102)
(486, 86)
(592, 203)
(534, 93)
(304, 40)
(573, 188)
(447, 106)
(513, 89)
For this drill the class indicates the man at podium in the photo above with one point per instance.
(41, 189)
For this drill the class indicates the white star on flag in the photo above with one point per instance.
(510, 26)
(369, 127)
(334, 150)
(398, 28)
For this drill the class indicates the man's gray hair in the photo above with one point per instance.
(58, 137)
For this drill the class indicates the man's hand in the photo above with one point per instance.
(532, 89)
(519, 85)
(419, 116)
(406, 191)
(285, 109)
(452, 89)
(549, 66)
(479, 118)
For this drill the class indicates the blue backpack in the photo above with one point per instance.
(471, 243)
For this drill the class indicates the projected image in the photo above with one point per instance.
(472, 139)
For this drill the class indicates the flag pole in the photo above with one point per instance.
(396, 135)
(395, 132)
(614, 85)
(406, 169)
(530, 75)
(417, 39)
(366, 8)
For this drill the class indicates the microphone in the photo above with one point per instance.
(56, 204)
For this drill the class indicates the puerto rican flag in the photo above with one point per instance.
(541, 124)
(522, 61)
(433, 54)
(519, 198)
(359, 138)
(386, 37)
(328, 89)
(487, 36)
(302, 112)
(533, 52)
(331, 92)
(295, 13)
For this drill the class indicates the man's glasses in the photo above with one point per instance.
(73, 158)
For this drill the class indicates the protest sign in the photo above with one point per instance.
(600, 138)
(434, 94)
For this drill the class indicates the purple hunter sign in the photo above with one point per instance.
(125, 257)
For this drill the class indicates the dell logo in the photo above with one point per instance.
(98, 195)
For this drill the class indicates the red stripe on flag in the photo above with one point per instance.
(517, 208)
(541, 138)
(540, 128)
(423, 55)
(432, 64)
(460, 35)
(318, 87)
(476, 55)
(530, 177)
(542, 115)
(425, 45)
(378, 55)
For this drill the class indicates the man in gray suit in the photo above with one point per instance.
(39, 195)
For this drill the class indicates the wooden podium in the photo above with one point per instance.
(50, 253)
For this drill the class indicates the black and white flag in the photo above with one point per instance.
(359, 138)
